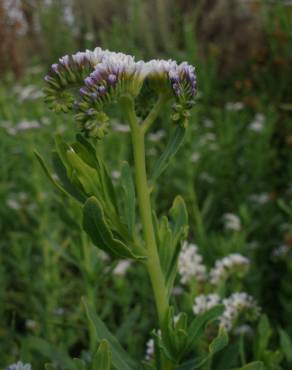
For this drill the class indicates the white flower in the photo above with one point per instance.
(122, 267)
(195, 157)
(190, 265)
(231, 222)
(149, 349)
(261, 198)
(258, 123)
(31, 324)
(156, 136)
(234, 306)
(281, 251)
(116, 175)
(204, 303)
(234, 263)
(19, 366)
(234, 106)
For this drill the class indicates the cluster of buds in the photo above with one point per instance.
(227, 266)
(190, 264)
(89, 81)
(205, 302)
(237, 304)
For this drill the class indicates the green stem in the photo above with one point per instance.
(153, 113)
(143, 195)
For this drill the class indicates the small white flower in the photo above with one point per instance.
(231, 222)
(258, 123)
(149, 349)
(190, 264)
(122, 267)
(261, 198)
(19, 366)
(205, 302)
(31, 324)
(234, 106)
(156, 136)
(195, 157)
(234, 306)
(234, 263)
(116, 175)
(281, 251)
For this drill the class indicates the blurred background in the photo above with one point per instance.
(236, 160)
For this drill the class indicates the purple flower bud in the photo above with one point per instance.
(96, 76)
(111, 79)
(89, 82)
(177, 89)
(55, 67)
(83, 91)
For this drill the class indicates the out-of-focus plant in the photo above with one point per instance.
(94, 86)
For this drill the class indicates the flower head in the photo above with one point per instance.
(227, 266)
(190, 265)
(89, 81)
(19, 366)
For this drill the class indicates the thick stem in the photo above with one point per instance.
(153, 262)
(143, 195)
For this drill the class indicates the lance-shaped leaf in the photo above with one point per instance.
(197, 327)
(120, 358)
(102, 357)
(175, 336)
(98, 229)
(215, 346)
(172, 147)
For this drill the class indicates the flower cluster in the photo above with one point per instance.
(190, 264)
(229, 265)
(231, 222)
(235, 305)
(88, 81)
(205, 302)
(19, 366)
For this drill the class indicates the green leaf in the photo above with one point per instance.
(286, 345)
(256, 365)
(264, 332)
(72, 186)
(197, 327)
(215, 346)
(172, 147)
(97, 228)
(79, 364)
(50, 367)
(179, 228)
(130, 198)
(102, 358)
(120, 358)
(50, 352)
(48, 174)
(219, 342)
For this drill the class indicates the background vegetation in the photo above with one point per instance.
(236, 159)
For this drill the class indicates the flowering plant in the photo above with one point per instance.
(94, 86)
